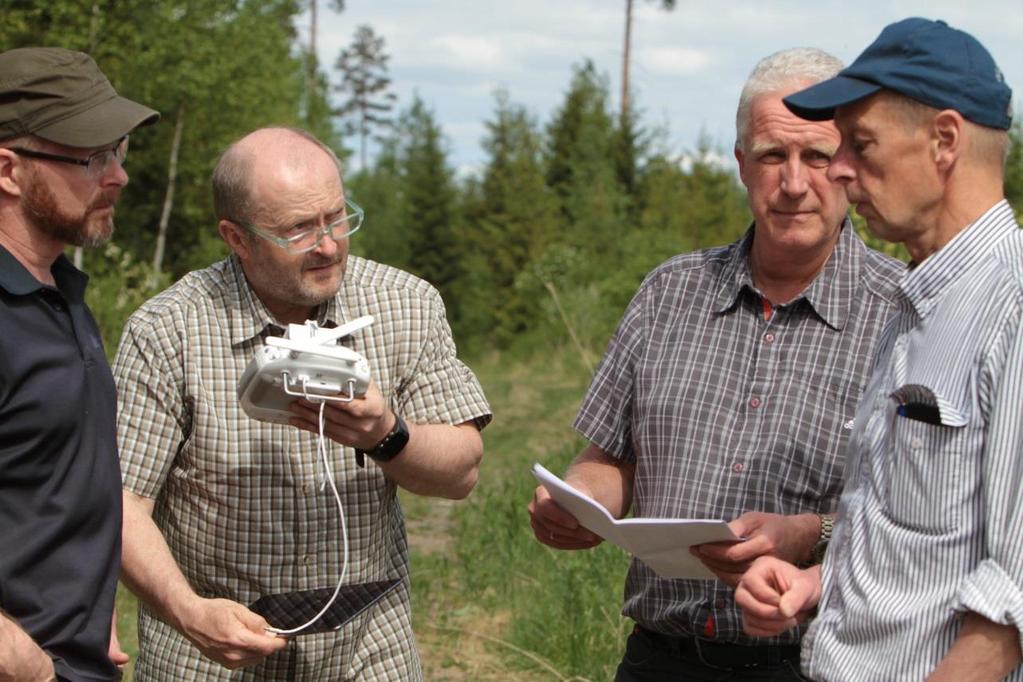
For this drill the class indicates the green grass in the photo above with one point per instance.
(543, 612)
(489, 602)
(127, 627)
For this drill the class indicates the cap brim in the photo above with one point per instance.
(103, 124)
(818, 102)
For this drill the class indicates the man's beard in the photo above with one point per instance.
(42, 208)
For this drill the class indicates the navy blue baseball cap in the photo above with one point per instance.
(925, 60)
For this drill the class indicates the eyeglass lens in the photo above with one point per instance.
(100, 162)
(310, 239)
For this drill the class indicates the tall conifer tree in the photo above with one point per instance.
(364, 79)
(582, 169)
(427, 193)
(517, 217)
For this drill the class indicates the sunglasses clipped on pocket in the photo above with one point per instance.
(291, 609)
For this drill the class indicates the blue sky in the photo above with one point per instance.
(688, 64)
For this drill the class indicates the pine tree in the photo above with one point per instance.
(582, 170)
(384, 236)
(516, 216)
(427, 198)
(363, 68)
(690, 202)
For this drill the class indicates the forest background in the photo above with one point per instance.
(536, 256)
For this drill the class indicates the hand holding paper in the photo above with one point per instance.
(662, 544)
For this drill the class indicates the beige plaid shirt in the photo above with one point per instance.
(241, 502)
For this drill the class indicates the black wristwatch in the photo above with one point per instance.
(388, 448)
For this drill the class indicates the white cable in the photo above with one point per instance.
(322, 446)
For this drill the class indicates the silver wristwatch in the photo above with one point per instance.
(827, 524)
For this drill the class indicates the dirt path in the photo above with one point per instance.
(461, 645)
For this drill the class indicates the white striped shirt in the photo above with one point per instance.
(931, 517)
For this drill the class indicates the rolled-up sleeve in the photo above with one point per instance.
(441, 389)
(151, 418)
(994, 589)
(604, 417)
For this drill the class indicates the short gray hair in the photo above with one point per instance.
(984, 145)
(779, 71)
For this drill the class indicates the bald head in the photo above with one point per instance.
(266, 162)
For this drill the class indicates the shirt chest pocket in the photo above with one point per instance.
(923, 462)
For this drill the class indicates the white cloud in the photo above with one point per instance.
(471, 53)
(688, 64)
(673, 61)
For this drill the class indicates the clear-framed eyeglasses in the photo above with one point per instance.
(96, 164)
(302, 238)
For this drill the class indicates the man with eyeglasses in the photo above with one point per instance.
(63, 139)
(221, 509)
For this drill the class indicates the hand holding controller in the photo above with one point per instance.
(306, 363)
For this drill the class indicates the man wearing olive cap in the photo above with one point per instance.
(63, 139)
(924, 574)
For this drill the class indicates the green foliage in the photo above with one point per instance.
(1014, 169)
(384, 236)
(564, 605)
(428, 198)
(692, 199)
(514, 219)
(226, 68)
(630, 144)
(581, 154)
(538, 610)
(118, 284)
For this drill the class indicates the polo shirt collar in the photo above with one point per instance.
(17, 280)
(830, 295)
(248, 316)
(923, 284)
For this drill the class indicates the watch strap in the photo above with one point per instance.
(827, 526)
(389, 447)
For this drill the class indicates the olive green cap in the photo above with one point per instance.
(62, 96)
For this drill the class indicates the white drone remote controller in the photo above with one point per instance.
(306, 363)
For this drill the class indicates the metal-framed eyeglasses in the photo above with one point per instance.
(96, 164)
(302, 238)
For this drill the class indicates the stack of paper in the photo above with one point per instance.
(661, 544)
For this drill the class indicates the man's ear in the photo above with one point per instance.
(740, 157)
(947, 138)
(235, 240)
(12, 173)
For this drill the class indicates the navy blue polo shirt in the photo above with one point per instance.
(60, 482)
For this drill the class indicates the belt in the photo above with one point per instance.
(722, 654)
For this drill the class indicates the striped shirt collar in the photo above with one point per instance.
(830, 294)
(248, 317)
(923, 284)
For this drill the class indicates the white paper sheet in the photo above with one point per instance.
(662, 544)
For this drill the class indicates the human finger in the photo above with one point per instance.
(564, 538)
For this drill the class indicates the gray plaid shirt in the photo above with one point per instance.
(724, 411)
(240, 502)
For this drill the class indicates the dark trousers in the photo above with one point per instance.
(652, 657)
